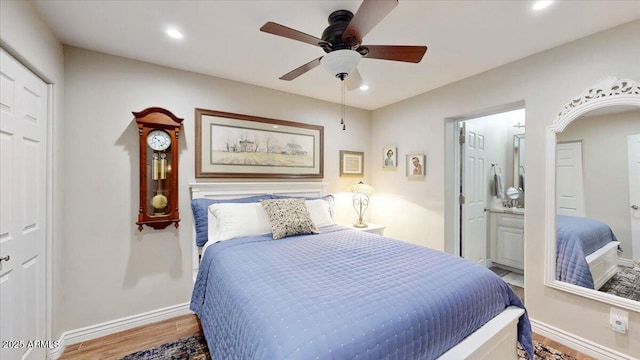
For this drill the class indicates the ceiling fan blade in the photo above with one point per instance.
(370, 13)
(354, 80)
(404, 53)
(301, 70)
(289, 33)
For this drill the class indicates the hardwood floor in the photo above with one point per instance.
(565, 349)
(145, 337)
(141, 338)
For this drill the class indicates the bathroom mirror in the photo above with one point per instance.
(518, 161)
(590, 163)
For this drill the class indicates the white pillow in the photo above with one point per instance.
(233, 220)
(319, 210)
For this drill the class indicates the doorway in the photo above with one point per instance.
(481, 150)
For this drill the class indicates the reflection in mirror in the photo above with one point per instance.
(518, 161)
(594, 174)
(515, 197)
(597, 169)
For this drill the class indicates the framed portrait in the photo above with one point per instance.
(351, 163)
(242, 146)
(390, 157)
(416, 165)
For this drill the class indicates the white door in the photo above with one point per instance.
(569, 183)
(23, 149)
(634, 193)
(474, 190)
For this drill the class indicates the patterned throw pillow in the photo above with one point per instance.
(289, 217)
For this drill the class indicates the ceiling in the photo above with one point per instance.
(222, 38)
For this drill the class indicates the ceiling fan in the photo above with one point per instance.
(342, 41)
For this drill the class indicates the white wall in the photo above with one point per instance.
(111, 270)
(25, 36)
(415, 211)
(606, 169)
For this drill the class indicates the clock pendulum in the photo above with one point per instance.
(159, 201)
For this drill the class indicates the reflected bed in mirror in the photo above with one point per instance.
(591, 148)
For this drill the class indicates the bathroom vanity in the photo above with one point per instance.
(506, 238)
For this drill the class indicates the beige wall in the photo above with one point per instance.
(606, 169)
(111, 270)
(545, 82)
(25, 36)
(104, 269)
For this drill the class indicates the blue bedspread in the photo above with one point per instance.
(578, 237)
(342, 294)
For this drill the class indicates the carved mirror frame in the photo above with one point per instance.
(608, 92)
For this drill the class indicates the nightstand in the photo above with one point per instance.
(372, 228)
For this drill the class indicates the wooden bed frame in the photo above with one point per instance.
(494, 340)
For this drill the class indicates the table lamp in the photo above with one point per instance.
(360, 201)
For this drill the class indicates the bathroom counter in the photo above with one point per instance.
(515, 211)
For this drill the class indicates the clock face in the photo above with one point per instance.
(158, 140)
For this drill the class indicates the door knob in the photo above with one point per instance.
(635, 207)
(5, 258)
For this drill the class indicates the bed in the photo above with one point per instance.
(586, 251)
(343, 293)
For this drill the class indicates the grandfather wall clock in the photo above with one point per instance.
(158, 130)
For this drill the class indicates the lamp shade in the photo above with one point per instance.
(361, 188)
(341, 61)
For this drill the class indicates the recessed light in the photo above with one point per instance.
(174, 33)
(364, 87)
(541, 4)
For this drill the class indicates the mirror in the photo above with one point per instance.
(515, 196)
(590, 158)
(513, 193)
(518, 161)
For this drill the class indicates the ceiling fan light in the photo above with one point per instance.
(341, 61)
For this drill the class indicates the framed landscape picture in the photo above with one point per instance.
(242, 146)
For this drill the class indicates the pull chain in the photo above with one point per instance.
(342, 106)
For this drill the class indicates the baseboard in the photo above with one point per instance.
(577, 343)
(626, 262)
(114, 326)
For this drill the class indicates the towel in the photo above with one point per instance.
(497, 186)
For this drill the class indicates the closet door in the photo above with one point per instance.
(23, 171)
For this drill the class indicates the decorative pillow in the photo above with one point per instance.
(289, 217)
(233, 220)
(319, 211)
(199, 207)
(328, 198)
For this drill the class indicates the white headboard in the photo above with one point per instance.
(231, 190)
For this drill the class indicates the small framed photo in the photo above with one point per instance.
(351, 163)
(390, 157)
(416, 165)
